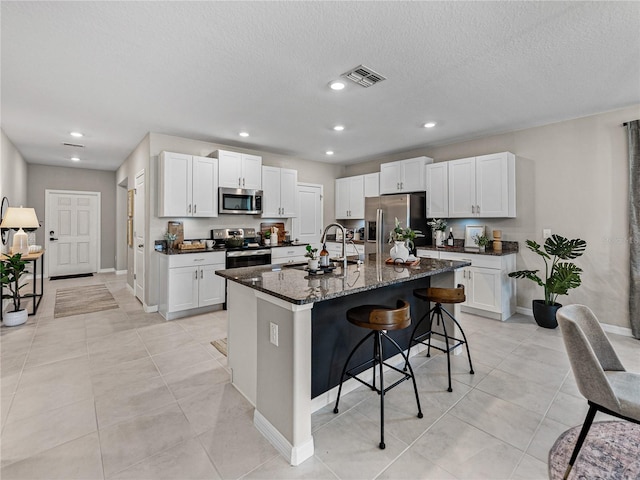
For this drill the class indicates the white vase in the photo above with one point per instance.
(12, 319)
(439, 238)
(313, 264)
(400, 252)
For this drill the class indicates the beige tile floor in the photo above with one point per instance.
(122, 394)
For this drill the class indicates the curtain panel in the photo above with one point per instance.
(633, 135)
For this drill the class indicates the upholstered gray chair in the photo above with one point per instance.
(600, 376)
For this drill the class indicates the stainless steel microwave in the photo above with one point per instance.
(240, 201)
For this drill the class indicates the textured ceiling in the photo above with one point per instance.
(207, 70)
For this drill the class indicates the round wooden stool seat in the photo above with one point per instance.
(377, 317)
(441, 295)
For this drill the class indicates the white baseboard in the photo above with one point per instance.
(617, 330)
(295, 455)
(131, 290)
(106, 270)
(149, 308)
(605, 326)
(121, 272)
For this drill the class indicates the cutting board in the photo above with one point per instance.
(279, 225)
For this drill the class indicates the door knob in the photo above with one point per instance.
(141, 245)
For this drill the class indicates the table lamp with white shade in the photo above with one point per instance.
(19, 218)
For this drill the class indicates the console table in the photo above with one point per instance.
(36, 293)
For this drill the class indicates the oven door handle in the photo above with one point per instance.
(249, 253)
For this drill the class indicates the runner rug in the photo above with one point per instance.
(221, 345)
(79, 300)
(610, 451)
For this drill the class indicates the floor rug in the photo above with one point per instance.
(221, 345)
(610, 451)
(76, 275)
(78, 300)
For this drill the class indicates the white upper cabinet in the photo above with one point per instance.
(187, 185)
(279, 192)
(483, 186)
(404, 176)
(350, 197)
(437, 190)
(239, 170)
(372, 184)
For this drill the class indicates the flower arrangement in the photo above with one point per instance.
(438, 224)
(312, 253)
(399, 234)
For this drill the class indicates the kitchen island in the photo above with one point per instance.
(288, 335)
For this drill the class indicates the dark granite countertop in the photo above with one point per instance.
(508, 248)
(298, 286)
(176, 251)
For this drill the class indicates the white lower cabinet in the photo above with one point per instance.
(188, 282)
(489, 290)
(292, 254)
(335, 249)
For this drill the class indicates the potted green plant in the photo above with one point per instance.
(438, 226)
(559, 277)
(11, 271)
(482, 241)
(312, 254)
(267, 237)
(402, 238)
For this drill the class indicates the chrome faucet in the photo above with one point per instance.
(344, 243)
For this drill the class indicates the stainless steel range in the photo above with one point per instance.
(247, 255)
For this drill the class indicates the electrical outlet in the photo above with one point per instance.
(546, 233)
(273, 333)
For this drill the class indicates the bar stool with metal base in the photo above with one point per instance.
(440, 296)
(379, 319)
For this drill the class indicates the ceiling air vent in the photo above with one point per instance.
(364, 76)
(76, 145)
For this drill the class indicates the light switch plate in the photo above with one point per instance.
(546, 233)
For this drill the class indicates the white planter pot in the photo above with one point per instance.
(13, 319)
(399, 251)
(440, 238)
(313, 264)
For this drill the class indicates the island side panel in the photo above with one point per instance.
(333, 337)
(242, 339)
(284, 375)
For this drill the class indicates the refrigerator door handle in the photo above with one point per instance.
(379, 239)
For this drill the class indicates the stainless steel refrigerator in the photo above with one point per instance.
(380, 214)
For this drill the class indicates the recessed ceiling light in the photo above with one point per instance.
(337, 85)
(76, 134)
(430, 125)
(75, 159)
(338, 128)
(244, 134)
(329, 152)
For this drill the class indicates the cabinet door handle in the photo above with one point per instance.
(195, 208)
(398, 186)
(401, 185)
(473, 209)
(243, 182)
(478, 209)
(239, 181)
(189, 209)
(201, 273)
(196, 273)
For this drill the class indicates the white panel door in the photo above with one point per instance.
(356, 197)
(372, 184)
(138, 235)
(484, 288)
(174, 190)
(251, 172)
(73, 228)
(437, 190)
(270, 192)
(462, 187)
(210, 286)
(183, 288)
(492, 186)
(390, 174)
(229, 169)
(288, 185)
(308, 225)
(342, 198)
(412, 175)
(205, 187)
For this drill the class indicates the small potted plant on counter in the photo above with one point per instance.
(559, 277)
(402, 239)
(266, 235)
(438, 226)
(312, 254)
(11, 271)
(481, 241)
